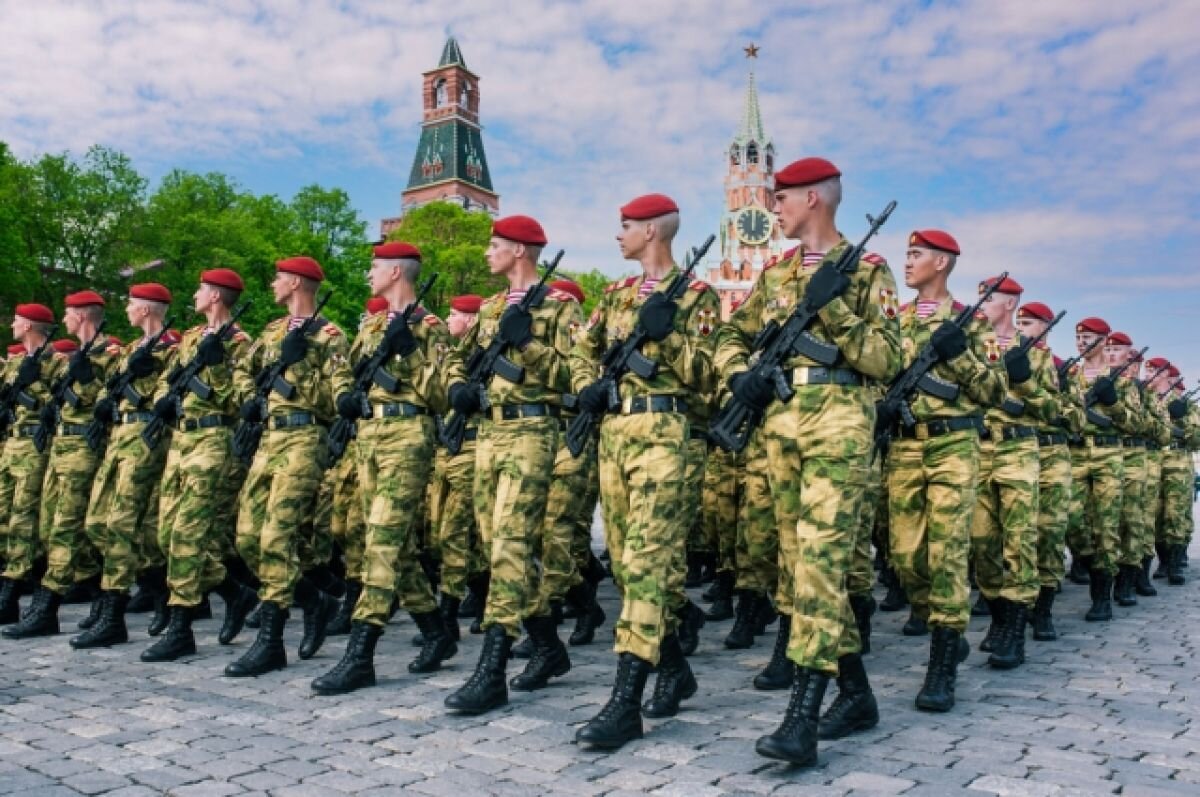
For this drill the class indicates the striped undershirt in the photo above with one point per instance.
(295, 321)
(1090, 373)
(515, 297)
(927, 307)
(1004, 340)
(648, 286)
(812, 259)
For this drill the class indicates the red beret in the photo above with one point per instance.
(1097, 326)
(151, 291)
(36, 312)
(223, 278)
(1035, 310)
(377, 304)
(396, 250)
(1009, 286)
(805, 171)
(522, 229)
(1158, 363)
(569, 286)
(15, 349)
(64, 346)
(84, 299)
(1119, 339)
(1172, 371)
(934, 239)
(650, 206)
(468, 303)
(302, 267)
(171, 337)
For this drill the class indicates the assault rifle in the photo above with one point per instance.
(1066, 367)
(272, 378)
(776, 343)
(370, 372)
(625, 356)
(1012, 405)
(62, 392)
(16, 393)
(185, 379)
(120, 386)
(919, 376)
(1103, 421)
(485, 362)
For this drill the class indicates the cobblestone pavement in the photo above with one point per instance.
(1108, 708)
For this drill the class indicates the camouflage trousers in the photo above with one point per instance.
(70, 557)
(818, 447)
(7, 490)
(1178, 476)
(931, 497)
(514, 461)
(860, 577)
(193, 486)
(719, 506)
(693, 519)
(1054, 501)
(395, 458)
(276, 507)
(643, 488)
(339, 512)
(452, 506)
(756, 541)
(1004, 524)
(1153, 503)
(23, 469)
(585, 508)
(1133, 507)
(565, 514)
(119, 511)
(1094, 530)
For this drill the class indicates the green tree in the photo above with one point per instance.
(329, 229)
(593, 283)
(17, 257)
(453, 243)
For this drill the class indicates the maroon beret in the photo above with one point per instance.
(301, 266)
(1097, 326)
(223, 278)
(1035, 310)
(376, 304)
(1119, 339)
(467, 303)
(64, 346)
(1158, 363)
(36, 312)
(934, 239)
(805, 172)
(396, 250)
(522, 229)
(569, 286)
(1173, 372)
(650, 206)
(1008, 285)
(171, 337)
(152, 292)
(16, 348)
(84, 299)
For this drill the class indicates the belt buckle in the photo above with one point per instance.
(800, 375)
(921, 431)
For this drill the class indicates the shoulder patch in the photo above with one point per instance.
(904, 308)
(958, 306)
(431, 320)
(560, 296)
(240, 336)
(874, 259)
(979, 316)
(698, 285)
(1058, 361)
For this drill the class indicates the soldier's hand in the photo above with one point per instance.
(594, 398)
(886, 415)
(349, 405)
(516, 327)
(211, 350)
(80, 369)
(28, 373)
(463, 399)
(657, 316)
(253, 411)
(1064, 382)
(1105, 392)
(293, 348)
(1177, 409)
(48, 417)
(949, 341)
(1016, 363)
(141, 363)
(167, 408)
(753, 389)
(399, 338)
(825, 286)
(103, 411)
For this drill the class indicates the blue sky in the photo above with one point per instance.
(1059, 140)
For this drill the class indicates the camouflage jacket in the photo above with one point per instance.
(318, 378)
(1120, 418)
(224, 399)
(79, 411)
(1037, 398)
(39, 391)
(418, 375)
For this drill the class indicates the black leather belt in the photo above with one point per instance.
(1177, 446)
(23, 431)
(1132, 442)
(1053, 439)
(205, 422)
(1008, 433)
(511, 412)
(72, 429)
(1105, 440)
(698, 434)
(135, 417)
(397, 409)
(936, 427)
(1153, 446)
(1077, 441)
(292, 421)
(818, 375)
(470, 435)
(639, 404)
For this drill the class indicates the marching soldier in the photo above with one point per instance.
(1178, 475)
(1158, 438)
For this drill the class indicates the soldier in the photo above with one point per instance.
(199, 463)
(933, 467)
(515, 451)
(1157, 441)
(281, 487)
(396, 442)
(128, 474)
(643, 454)
(70, 557)
(1178, 475)
(756, 556)
(22, 465)
(722, 496)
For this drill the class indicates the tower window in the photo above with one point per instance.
(465, 95)
(735, 157)
(752, 154)
(439, 93)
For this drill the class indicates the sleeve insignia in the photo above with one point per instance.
(991, 350)
(431, 320)
(874, 259)
(778, 303)
(889, 303)
(706, 321)
(338, 359)
(595, 319)
(698, 285)
(560, 296)
(440, 350)
(573, 329)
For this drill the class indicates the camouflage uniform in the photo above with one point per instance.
(644, 454)
(457, 532)
(819, 444)
(1055, 474)
(23, 468)
(1178, 476)
(565, 507)
(932, 478)
(347, 523)
(1138, 527)
(757, 557)
(721, 499)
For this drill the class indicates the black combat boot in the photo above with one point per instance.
(1143, 584)
(708, 572)
(620, 721)
(945, 652)
(239, 600)
(109, 628)
(84, 591)
(778, 672)
(480, 586)
(40, 619)
(438, 645)
(267, 653)
(202, 610)
(741, 636)
(319, 608)
(1080, 572)
(854, 709)
(795, 740)
(477, 588)
(254, 620)
(914, 626)
(590, 617)
(93, 613)
(10, 601)
(1042, 617)
(549, 659)
(142, 599)
(896, 599)
(523, 649)
(722, 596)
(1176, 562)
(995, 628)
(863, 606)
(695, 571)
(177, 640)
(982, 607)
(485, 689)
(765, 615)
(1164, 553)
(1102, 584)
(356, 670)
(448, 607)
(691, 620)
(1010, 647)
(1123, 587)
(340, 624)
(675, 682)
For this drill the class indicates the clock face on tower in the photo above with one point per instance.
(753, 226)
